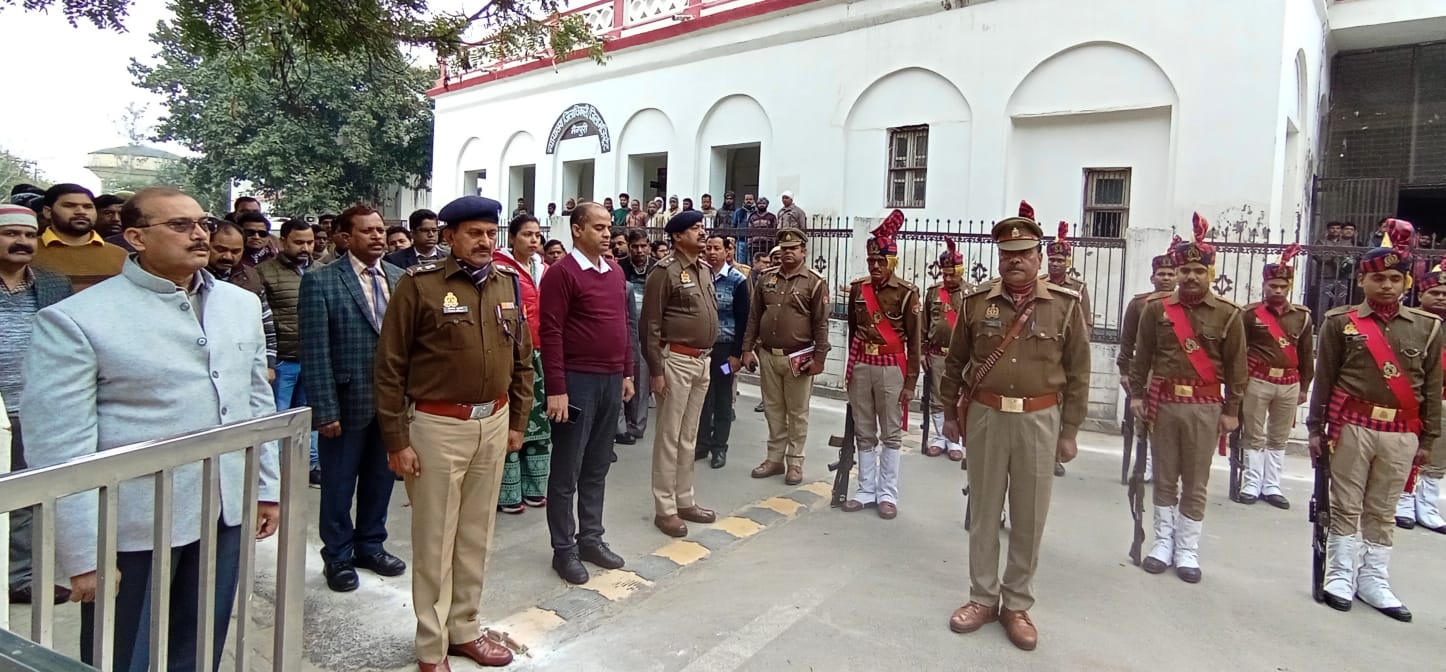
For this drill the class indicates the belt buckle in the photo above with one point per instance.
(944, 350)
(484, 410)
(871, 349)
(1011, 404)
(1277, 373)
(1383, 414)
(1184, 390)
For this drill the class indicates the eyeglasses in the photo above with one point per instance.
(181, 225)
(253, 233)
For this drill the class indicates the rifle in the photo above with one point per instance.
(924, 407)
(1320, 518)
(1127, 429)
(1136, 496)
(845, 463)
(1237, 464)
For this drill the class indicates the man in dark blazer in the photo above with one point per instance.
(425, 246)
(340, 317)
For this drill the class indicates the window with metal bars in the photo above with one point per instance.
(1106, 202)
(908, 166)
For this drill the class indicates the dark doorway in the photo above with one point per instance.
(1426, 209)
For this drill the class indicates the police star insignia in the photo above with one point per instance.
(1390, 371)
(992, 312)
(1350, 329)
(685, 277)
(1191, 346)
(1283, 342)
(1391, 260)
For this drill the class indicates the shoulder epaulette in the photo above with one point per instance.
(424, 268)
(1061, 289)
(1422, 313)
(505, 269)
(1339, 310)
(815, 273)
(859, 281)
(1227, 302)
(1251, 306)
(1142, 295)
(981, 288)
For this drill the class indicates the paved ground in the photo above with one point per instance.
(788, 584)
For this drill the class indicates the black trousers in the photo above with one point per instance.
(354, 467)
(716, 422)
(582, 450)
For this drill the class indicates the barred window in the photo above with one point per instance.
(1106, 202)
(908, 164)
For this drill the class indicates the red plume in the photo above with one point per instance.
(1063, 232)
(1200, 226)
(890, 225)
(949, 245)
(1402, 234)
(1176, 240)
(1026, 210)
(1290, 252)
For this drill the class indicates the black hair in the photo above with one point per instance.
(253, 217)
(26, 188)
(552, 242)
(635, 235)
(104, 201)
(515, 225)
(54, 193)
(293, 225)
(244, 199)
(398, 228)
(415, 219)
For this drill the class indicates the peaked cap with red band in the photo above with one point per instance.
(1195, 251)
(1283, 270)
(950, 257)
(882, 240)
(1018, 233)
(1394, 253)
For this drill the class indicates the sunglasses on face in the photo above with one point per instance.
(252, 233)
(181, 225)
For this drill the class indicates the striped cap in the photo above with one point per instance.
(17, 215)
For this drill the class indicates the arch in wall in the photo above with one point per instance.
(1086, 78)
(521, 149)
(647, 135)
(907, 91)
(733, 146)
(471, 160)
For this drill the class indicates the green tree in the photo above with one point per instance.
(343, 129)
(16, 170)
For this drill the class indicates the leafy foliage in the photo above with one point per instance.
(333, 130)
(16, 170)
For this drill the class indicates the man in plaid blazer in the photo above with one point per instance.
(340, 316)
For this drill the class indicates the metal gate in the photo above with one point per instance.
(1362, 201)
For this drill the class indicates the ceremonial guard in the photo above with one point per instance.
(454, 386)
(787, 340)
(1280, 354)
(1189, 344)
(942, 304)
(678, 327)
(1016, 384)
(1061, 252)
(1373, 411)
(1419, 504)
(883, 367)
(1162, 278)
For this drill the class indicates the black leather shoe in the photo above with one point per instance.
(625, 439)
(22, 595)
(599, 554)
(758, 408)
(614, 458)
(1405, 523)
(1188, 574)
(1400, 613)
(314, 479)
(1058, 469)
(381, 563)
(1337, 603)
(569, 567)
(341, 577)
(720, 458)
(1153, 566)
(1277, 501)
(1245, 499)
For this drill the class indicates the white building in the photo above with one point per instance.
(1122, 115)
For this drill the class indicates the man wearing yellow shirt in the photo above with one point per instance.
(71, 246)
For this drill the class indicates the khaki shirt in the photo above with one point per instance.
(1130, 329)
(1296, 324)
(1050, 356)
(937, 331)
(899, 302)
(1345, 363)
(678, 307)
(443, 340)
(1218, 326)
(788, 311)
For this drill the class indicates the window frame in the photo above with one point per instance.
(914, 170)
(1092, 177)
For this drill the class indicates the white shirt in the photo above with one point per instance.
(601, 267)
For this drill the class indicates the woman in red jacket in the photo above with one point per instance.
(524, 474)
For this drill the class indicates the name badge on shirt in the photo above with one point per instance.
(689, 284)
(449, 305)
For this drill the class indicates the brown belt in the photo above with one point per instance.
(685, 350)
(1378, 413)
(784, 352)
(940, 350)
(448, 409)
(882, 348)
(1016, 404)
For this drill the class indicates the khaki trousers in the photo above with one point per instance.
(677, 431)
(1183, 441)
(936, 376)
(1436, 468)
(785, 407)
(1368, 472)
(1009, 453)
(1268, 414)
(878, 419)
(454, 504)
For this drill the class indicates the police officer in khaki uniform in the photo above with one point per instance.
(453, 388)
(1189, 343)
(1374, 407)
(678, 327)
(1162, 278)
(1016, 381)
(788, 313)
(1419, 504)
(942, 305)
(883, 369)
(1280, 354)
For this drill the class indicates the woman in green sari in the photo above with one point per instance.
(524, 474)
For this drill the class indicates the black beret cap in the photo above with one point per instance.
(471, 209)
(683, 221)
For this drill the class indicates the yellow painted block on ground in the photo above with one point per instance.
(782, 505)
(820, 488)
(529, 626)
(683, 552)
(738, 527)
(616, 584)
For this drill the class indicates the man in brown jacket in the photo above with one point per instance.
(1189, 344)
(943, 304)
(1162, 277)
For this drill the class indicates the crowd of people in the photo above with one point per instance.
(496, 373)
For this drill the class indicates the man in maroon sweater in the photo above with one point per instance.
(585, 352)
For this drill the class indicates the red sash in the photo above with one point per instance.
(1186, 335)
(891, 336)
(1272, 324)
(952, 316)
(1380, 350)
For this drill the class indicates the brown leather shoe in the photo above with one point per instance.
(672, 526)
(852, 506)
(482, 651)
(697, 514)
(434, 667)
(795, 475)
(972, 616)
(888, 510)
(1019, 628)
(767, 469)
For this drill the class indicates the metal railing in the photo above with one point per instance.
(104, 471)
